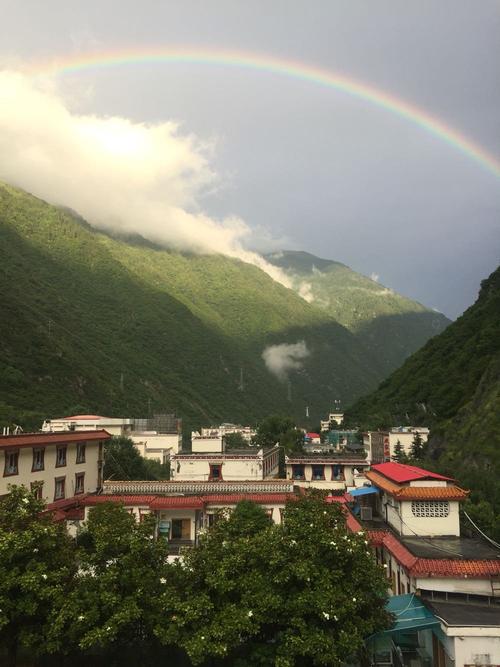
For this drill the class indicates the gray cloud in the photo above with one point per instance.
(281, 359)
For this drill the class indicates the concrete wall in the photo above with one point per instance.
(475, 646)
(206, 445)
(449, 525)
(157, 446)
(50, 472)
(189, 469)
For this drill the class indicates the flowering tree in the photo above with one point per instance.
(303, 592)
(121, 570)
(36, 568)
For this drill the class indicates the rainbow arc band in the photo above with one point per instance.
(273, 65)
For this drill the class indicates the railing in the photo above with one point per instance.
(196, 488)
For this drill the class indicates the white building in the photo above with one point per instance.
(234, 465)
(380, 445)
(411, 517)
(325, 471)
(336, 417)
(247, 432)
(203, 443)
(157, 446)
(113, 425)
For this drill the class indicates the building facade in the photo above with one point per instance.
(56, 466)
(325, 472)
(234, 465)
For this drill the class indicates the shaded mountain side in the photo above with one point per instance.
(91, 323)
(390, 325)
(453, 385)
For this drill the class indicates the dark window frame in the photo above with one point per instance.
(78, 476)
(212, 477)
(62, 448)
(317, 478)
(8, 453)
(56, 481)
(297, 476)
(80, 452)
(42, 466)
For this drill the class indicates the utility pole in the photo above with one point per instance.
(241, 386)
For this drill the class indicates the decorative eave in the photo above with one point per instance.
(197, 488)
(416, 492)
(47, 439)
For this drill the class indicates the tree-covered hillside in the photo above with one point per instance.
(92, 323)
(453, 385)
(389, 325)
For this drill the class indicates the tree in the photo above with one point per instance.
(417, 447)
(123, 461)
(113, 602)
(303, 592)
(235, 441)
(399, 453)
(36, 570)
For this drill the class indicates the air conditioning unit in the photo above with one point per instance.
(366, 514)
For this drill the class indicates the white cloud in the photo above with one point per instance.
(375, 277)
(119, 175)
(280, 359)
(305, 291)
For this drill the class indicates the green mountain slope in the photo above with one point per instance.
(453, 385)
(388, 324)
(92, 323)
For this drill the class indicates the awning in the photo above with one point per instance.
(410, 613)
(364, 490)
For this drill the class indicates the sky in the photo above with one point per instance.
(219, 158)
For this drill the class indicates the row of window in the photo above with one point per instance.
(60, 487)
(12, 458)
(318, 472)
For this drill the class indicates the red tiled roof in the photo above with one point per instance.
(182, 502)
(336, 499)
(40, 439)
(233, 498)
(416, 492)
(428, 567)
(432, 493)
(401, 472)
(125, 500)
(313, 435)
(431, 567)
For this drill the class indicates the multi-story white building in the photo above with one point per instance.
(113, 425)
(247, 432)
(233, 465)
(336, 417)
(328, 472)
(380, 445)
(60, 468)
(156, 446)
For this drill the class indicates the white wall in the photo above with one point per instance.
(474, 646)
(206, 445)
(429, 526)
(156, 445)
(189, 469)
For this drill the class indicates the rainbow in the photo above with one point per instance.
(273, 65)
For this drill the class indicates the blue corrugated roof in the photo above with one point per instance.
(364, 490)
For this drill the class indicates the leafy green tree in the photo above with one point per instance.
(123, 461)
(399, 453)
(235, 441)
(305, 592)
(36, 569)
(122, 568)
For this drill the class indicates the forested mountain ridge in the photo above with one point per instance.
(390, 326)
(453, 385)
(92, 323)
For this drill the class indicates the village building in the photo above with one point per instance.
(411, 517)
(247, 432)
(156, 437)
(332, 472)
(60, 468)
(381, 445)
(184, 510)
(335, 418)
(232, 465)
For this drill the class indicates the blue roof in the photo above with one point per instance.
(410, 613)
(364, 490)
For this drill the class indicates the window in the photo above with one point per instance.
(80, 452)
(143, 513)
(61, 456)
(181, 529)
(337, 472)
(215, 472)
(11, 463)
(38, 459)
(59, 488)
(318, 472)
(37, 489)
(79, 482)
(433, 508)
(298, 471)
